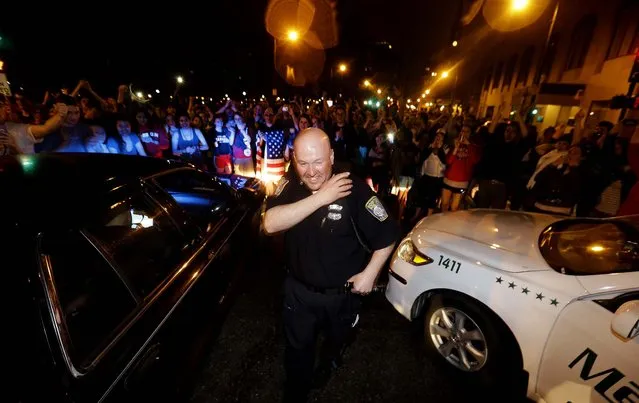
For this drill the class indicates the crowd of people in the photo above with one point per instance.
(422, 160)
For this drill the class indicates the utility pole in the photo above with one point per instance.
(543, 58)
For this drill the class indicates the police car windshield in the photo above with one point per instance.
(588, 246)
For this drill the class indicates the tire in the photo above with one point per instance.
(482, 350)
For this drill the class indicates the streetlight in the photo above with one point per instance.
(180, 80)
(138, 94)
(427, 92)
(149, 95)
(379, 91)
(434, 74)
(244, 93)
(445, 74)
(455, 43)
(342, 68)
(519, 5)
(367, 83)
(293, 35)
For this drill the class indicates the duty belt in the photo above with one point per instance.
(345, 289)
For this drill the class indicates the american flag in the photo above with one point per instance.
(273, 145)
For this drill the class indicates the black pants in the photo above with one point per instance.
(306, 313)
(491, 194)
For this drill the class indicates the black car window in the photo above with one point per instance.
(141, 239)
(93, 298)
(198, 194)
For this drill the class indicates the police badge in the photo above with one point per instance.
(377, 210)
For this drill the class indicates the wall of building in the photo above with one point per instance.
(603, 78)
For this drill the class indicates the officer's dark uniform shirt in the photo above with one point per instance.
(323, 250)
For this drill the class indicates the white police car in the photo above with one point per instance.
(502, 291)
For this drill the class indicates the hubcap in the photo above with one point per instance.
(458, 339)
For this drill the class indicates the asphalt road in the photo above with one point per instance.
(385, 363)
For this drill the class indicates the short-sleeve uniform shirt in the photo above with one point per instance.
(330, 245)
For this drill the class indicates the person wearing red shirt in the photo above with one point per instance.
(459, 170)
(153, 137)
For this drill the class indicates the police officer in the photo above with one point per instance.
(331, 223)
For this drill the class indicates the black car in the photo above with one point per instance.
(116, 270)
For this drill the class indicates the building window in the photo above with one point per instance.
(625, 39)
(524, 66)
(580, 42)
(497, 78)
(510, 70)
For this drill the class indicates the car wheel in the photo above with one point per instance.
(472, 339)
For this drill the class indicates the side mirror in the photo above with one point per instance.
(625, 323)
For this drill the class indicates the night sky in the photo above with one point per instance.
(211, 45)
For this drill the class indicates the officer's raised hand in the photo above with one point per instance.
(338, 186)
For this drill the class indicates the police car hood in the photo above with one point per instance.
(505, 240)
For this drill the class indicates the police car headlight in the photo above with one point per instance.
(409, 253)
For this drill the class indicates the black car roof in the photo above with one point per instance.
(88, 166)
(59, 189)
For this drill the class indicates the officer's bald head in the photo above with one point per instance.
(313, 157)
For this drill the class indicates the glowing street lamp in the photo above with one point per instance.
(367, 83)
(427, 92)
(455, 43)
(342, 68)
(293, 35)
(434, 74)
(379, 91)
(180, 80)
(445, 74)
(519, 5)
(157, 91)
(138, 94)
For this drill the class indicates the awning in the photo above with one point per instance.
(559, 94)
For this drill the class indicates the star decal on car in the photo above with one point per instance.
(512, 285)
(540, 296)
(525, 290)
(554, 302)
(499, 280)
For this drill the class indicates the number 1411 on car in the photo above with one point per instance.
(452, 265)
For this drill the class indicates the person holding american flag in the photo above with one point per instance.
(271, 144)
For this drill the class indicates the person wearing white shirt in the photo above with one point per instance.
(97, 142)
(560, 152)
(20, 138)
(428, 186)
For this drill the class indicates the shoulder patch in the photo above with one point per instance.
(376, 208)
(280, 186)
